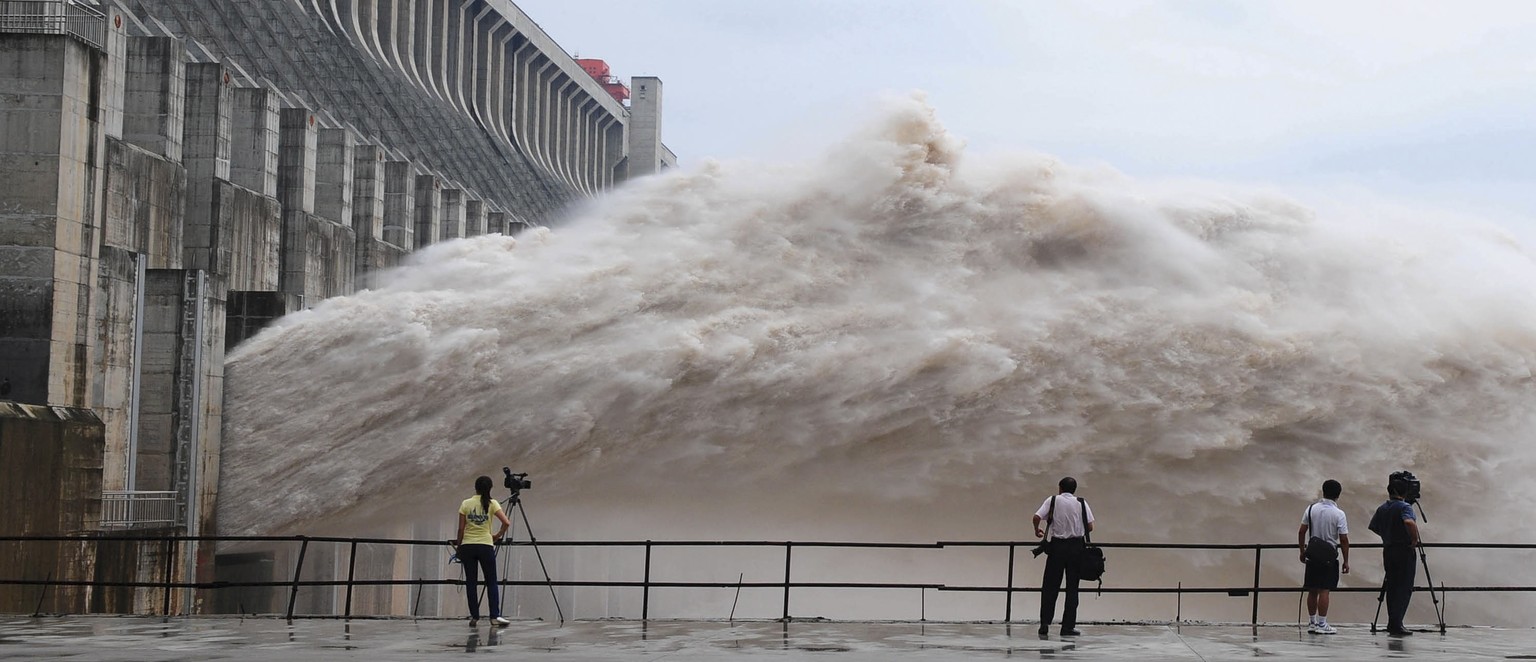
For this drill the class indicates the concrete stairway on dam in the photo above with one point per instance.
(285, 47)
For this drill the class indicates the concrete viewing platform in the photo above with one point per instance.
(141, 638)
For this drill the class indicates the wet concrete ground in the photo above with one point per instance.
(107, 639)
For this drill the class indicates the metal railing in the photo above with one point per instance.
(1009, 587)
(62, 17)
(135, 509)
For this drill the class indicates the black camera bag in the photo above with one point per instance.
(1090, 559)
(1318, 549)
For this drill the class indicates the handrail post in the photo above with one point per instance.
(38, 612)
(416, 608)
(1258, 552)
(351, 573)
(645, 591)
(170, 565)
(1008, 611)
(293, 595)
(788, 549)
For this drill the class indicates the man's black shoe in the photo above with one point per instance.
(1070, 633)
(1045, 630)
(1400, 633)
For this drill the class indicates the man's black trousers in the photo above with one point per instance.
(1062, 560)
(1398, 562)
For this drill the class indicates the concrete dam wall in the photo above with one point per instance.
(174, 174)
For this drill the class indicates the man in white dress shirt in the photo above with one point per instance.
(1067, 520)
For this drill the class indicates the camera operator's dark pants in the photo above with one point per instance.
(476, 558)
(1398, 583)
(1062, 560)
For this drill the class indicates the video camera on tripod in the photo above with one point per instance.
(515, 482)
(1405, 484)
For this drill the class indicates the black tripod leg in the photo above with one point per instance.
(1381, 596)
(501, 579)
(1423, 559)
(1439, 613)
(533, 540)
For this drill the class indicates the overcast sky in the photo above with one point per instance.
(1411, 101)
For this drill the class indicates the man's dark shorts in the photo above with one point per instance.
(1322, 575)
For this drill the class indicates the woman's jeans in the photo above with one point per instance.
(476, 558)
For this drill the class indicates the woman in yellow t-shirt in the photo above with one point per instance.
(477, 548)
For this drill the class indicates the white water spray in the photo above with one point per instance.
(894, 343)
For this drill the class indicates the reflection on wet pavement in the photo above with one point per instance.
(107, 638)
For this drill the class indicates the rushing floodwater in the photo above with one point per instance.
(894, 342)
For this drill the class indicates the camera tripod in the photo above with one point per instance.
(1424, 560)
(514, 500)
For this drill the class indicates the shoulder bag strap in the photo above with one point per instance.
(1050, 516)
(1087, 535)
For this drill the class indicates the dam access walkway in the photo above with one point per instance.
(144, 638)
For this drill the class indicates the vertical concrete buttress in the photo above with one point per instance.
(48, 150)
(206, 155)
(399, 224)
(253, 140)
(368, 24)
(425, 37)
(296, 192)
(429, 201)
(539, 105)
(368, 208)
(454, 37)
(333, 175)
(474, 217)
(522, 91)
(155, 90)
(612, 146)
(500, 53)
(451, 218)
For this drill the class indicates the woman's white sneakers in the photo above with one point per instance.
(500, 622)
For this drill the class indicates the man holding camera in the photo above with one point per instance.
(1069, 520)
(1324, 540)
(1399, 531)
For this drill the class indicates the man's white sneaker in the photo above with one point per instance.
(1325, 629)
(1311, 628)
(500, 622)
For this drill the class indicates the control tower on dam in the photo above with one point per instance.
(174, 174)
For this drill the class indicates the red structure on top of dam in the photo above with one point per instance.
(598, 70)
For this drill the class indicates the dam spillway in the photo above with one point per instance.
(178, 173)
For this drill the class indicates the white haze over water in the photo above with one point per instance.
(893, 342)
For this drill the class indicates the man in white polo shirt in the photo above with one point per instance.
(1068, 519)
(1325, 521)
